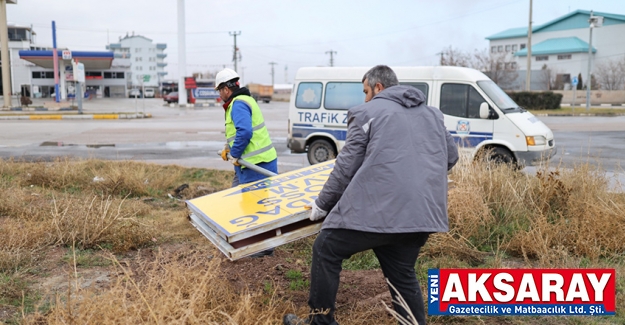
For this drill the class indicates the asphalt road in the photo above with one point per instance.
(597, 140)
(192, 136)
(188, 137)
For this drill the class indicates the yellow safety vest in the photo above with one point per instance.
(260, 149)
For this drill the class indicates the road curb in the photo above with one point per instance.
(580, 115)
(74, 116)
(196, 105)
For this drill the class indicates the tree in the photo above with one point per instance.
(499, 70)
(545, 78)
(496, 67)
(593, 82)
(610, 74)
(580, 82)
(455, 57)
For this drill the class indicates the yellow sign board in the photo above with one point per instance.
(251, 209)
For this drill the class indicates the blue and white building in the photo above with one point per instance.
(561, 47)
(32, 73)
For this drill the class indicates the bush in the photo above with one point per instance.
(537, 100)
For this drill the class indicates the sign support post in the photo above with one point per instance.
(79, 77)
(146, 78)
(55, 57)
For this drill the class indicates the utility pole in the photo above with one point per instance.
(331, 52)
(4, 53)
(182, 56)
(528, 74)
(595, 22)
(441, 53)
(272, 72)
(234, 55)
(286, 74)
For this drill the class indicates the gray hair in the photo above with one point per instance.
(382, 74)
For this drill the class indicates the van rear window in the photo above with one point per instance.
(343, 95)
(308, 95)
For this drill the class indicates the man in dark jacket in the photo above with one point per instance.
(387, 192)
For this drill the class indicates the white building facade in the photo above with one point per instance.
(560, 48)
(20, 38)
(144, 59)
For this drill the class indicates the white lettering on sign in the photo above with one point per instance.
(329, 118)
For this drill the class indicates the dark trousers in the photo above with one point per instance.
(397, 254)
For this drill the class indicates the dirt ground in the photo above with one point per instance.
(357, 287)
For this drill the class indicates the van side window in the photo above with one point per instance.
(460, 100)
(419, 85)
(308, 95)
(343, 95)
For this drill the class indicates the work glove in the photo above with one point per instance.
(224, 153)
(234, 161)
(315, 212)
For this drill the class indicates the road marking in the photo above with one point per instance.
(46, 117)
(105, 116)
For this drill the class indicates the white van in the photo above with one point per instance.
(480, 116)
(148, 92)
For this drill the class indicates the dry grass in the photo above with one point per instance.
(558, 211)
(558, 218)
(109, 178)
(169, 289)
(88, 203)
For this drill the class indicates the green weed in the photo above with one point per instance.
(85, 258)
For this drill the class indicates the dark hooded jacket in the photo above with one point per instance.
(391, 175)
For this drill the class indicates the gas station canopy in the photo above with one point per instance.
(91, 60)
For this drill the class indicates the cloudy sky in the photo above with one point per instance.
(292, 33)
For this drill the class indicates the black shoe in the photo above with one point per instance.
(290, 319)
(267, 252)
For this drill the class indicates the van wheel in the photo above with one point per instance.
(497, 156)
(320, 151)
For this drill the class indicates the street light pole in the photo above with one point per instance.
(595, 21)
(528, 73)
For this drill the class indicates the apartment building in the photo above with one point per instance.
(146, 60)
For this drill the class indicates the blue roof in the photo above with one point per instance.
(557, 46)
(510, 33)
(75, 54)
(573, 20)
(91, 60)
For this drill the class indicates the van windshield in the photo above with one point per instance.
(499, 97)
